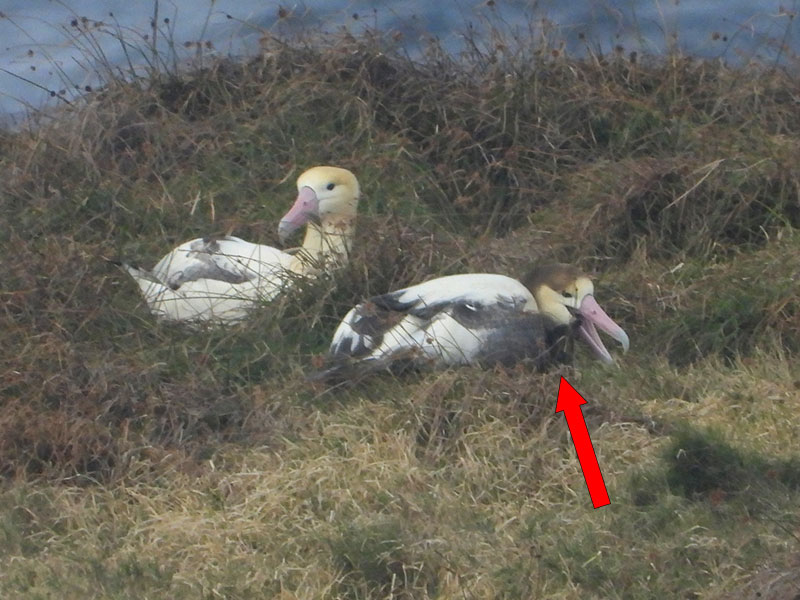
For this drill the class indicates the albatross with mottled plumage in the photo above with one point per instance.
(477, 318)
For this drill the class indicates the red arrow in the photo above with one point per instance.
(569, 402)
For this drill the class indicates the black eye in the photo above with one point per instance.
(330, 186)
(566, 294)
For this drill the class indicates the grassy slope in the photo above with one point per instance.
(143, 460)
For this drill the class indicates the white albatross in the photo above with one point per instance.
(219, 279)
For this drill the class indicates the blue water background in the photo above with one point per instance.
(41, 46)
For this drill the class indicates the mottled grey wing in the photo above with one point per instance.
(204, 261)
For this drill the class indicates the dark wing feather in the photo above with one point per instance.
(209, 263)
(370, 320)
(531, 337)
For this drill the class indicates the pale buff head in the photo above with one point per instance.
(324, 194)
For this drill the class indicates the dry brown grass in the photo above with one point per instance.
(144, 460)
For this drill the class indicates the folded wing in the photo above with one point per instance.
(451, 320)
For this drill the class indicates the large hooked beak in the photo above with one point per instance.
(304, 209)
(593, 317)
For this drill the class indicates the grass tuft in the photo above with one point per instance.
(380, 559)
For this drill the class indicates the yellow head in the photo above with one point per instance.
(567, 295)
(323, 194)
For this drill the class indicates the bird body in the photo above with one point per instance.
(445, 319)
(214, 279)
